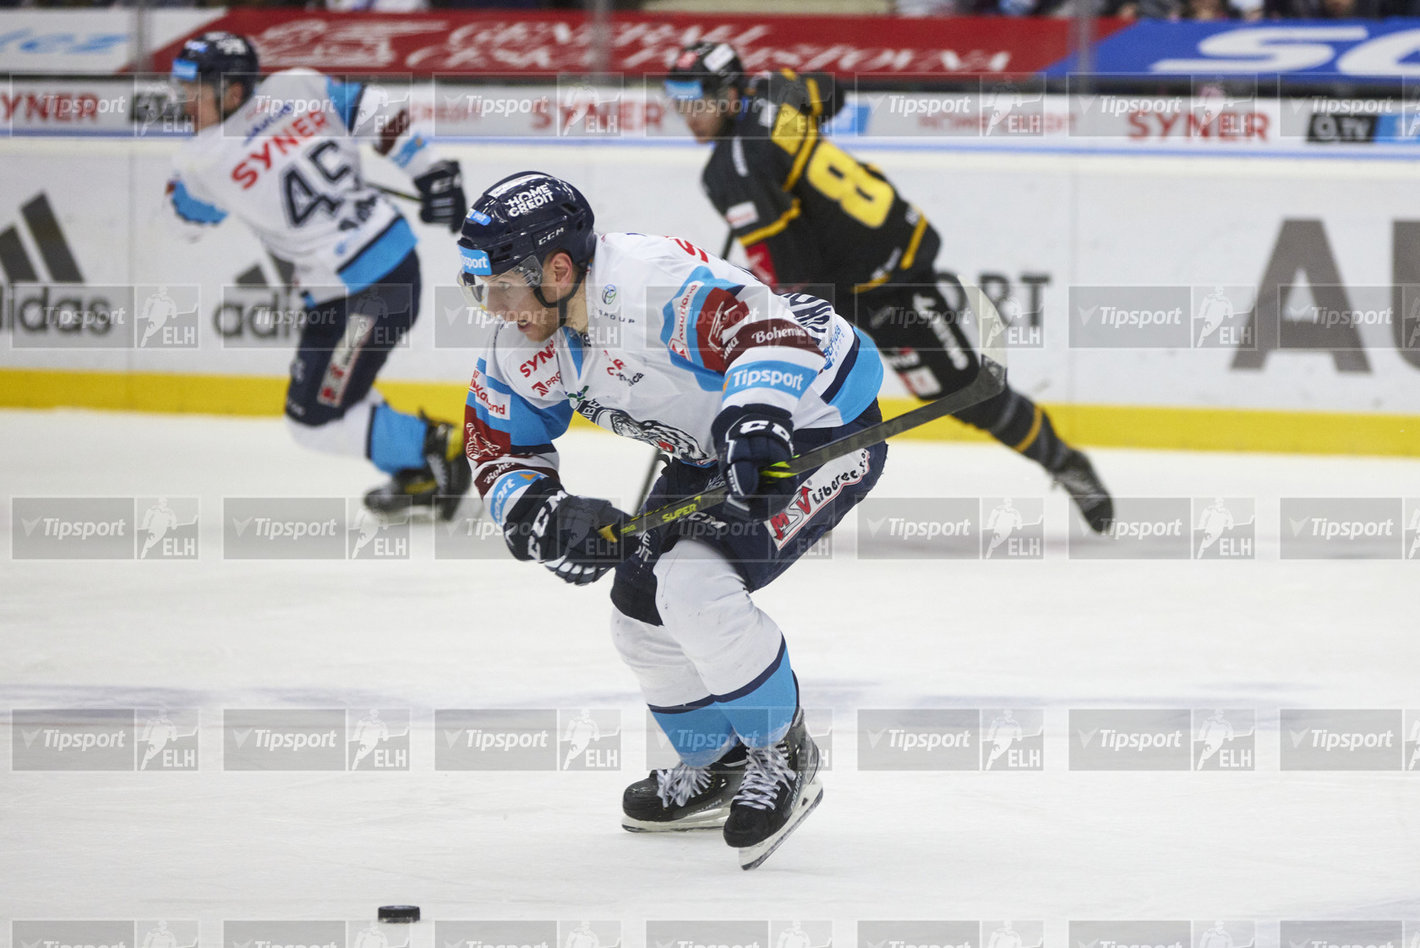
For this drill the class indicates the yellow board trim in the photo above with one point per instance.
(1190, 429)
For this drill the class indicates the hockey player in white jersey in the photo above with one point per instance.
(282, 154)
(654, 339)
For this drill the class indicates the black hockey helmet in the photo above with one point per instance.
(517, 223)
(705, 70)
(217, 55)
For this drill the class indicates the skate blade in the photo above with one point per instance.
(709, 820)
(751, 857)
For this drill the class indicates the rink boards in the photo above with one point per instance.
(1185, 300)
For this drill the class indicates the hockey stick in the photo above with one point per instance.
(658, 461)
(990, 379)
(395, 193)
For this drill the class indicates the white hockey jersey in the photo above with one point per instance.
(674, 335)
(288, 164)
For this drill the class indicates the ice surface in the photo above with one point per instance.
(424, 634)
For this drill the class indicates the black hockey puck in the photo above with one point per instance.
(399, 913)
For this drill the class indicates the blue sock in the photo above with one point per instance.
(396, 440)
(699, 733)
(762, 711)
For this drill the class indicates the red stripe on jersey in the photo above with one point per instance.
(761, 263)
(776, 333)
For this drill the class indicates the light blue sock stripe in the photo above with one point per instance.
(699, 735)
(396, 440)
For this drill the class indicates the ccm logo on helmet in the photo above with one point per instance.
(529, 200)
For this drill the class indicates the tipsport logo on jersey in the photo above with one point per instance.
(992, 739)
(1127, 739)
(950, 934)
(115, 933)
(315, 739)
(104, 528)
(527, 739)
(143, 739)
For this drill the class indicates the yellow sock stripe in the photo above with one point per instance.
(912, 244)
(1030, 437)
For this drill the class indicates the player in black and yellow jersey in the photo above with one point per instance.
(813, 218)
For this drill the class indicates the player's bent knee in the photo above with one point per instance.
(696, 584)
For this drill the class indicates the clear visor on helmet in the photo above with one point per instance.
(497, 292)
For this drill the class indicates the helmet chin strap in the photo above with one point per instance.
(561, 304)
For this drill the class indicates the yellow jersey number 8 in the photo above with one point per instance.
(839, 177)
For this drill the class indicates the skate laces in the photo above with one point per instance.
(680, 783)
(765, 769)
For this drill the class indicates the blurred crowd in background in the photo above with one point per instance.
(1129, 9)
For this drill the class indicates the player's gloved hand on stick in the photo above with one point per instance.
(749, 439)
(441, 195)
(562, 532)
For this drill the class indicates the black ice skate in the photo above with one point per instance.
(682, 797)
(438, 486)
(779, 789)
(1079, 479)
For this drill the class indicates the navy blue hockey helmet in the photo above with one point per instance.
(704, 70)
(517, 223)
(217, 55)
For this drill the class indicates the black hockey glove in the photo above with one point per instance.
(750, 439)
(560, 531)
(441, 196)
